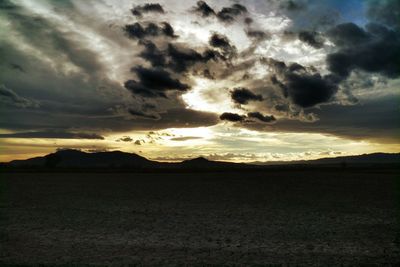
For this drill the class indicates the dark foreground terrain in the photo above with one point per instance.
(298, 217)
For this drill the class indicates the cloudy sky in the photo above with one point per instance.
(253, 80)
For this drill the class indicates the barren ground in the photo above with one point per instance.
(323, 218)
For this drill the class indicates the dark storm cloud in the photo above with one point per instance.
(248, 21)
(225, 15)
(138, 142)
(139, 89)
(261, 117)
(158, 79)
(376, 49)
(304, 86)
(148, 106)
(143, 114)
(177, 58)
(139, 31)
(238, 9)
(9, 97)
(222, 42)
(281, 107)
(305, 15)
(311, 38)
(168, 30)
(374, 119)
(53, 134)
(146, 8)
(243, 96)
(386, 12)
(233, 117)
(181, 58)
(203, 9)
(177, 117)
(207, 74)
(7, 5)
(257, 35)
(347, 34)
(281, 85)
(310, 89)
(380, 31)
(153, 82)
(125, 139)
(17, 67)
(152, 54)
(228, 14)
(292, 5)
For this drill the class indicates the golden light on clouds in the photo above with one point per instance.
(210, 96)
(221, 142)
(73, 67)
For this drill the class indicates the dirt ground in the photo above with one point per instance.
(299, 218)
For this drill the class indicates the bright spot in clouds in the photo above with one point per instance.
(209, 95)
(65, 69)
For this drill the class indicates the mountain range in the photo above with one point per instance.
(69, 158)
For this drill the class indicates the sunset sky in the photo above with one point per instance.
(255, 80)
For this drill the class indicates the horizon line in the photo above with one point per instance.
(200, 156)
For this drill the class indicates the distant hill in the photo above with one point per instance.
(202, 162)
(374, 158)
(115, 159)
(76, 158)
(70, 159)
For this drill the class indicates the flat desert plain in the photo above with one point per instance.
(261, 218)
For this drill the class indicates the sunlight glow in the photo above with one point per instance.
(219, 142)
(203, 97)
(93, 57)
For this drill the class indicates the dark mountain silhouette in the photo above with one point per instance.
(199, 160)
(117, 159)
(374, 158)
(202, 162)
(76, 158)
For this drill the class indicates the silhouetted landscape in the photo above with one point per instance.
(117, 160)
(199, 212)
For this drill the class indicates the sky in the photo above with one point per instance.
(242, 81)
